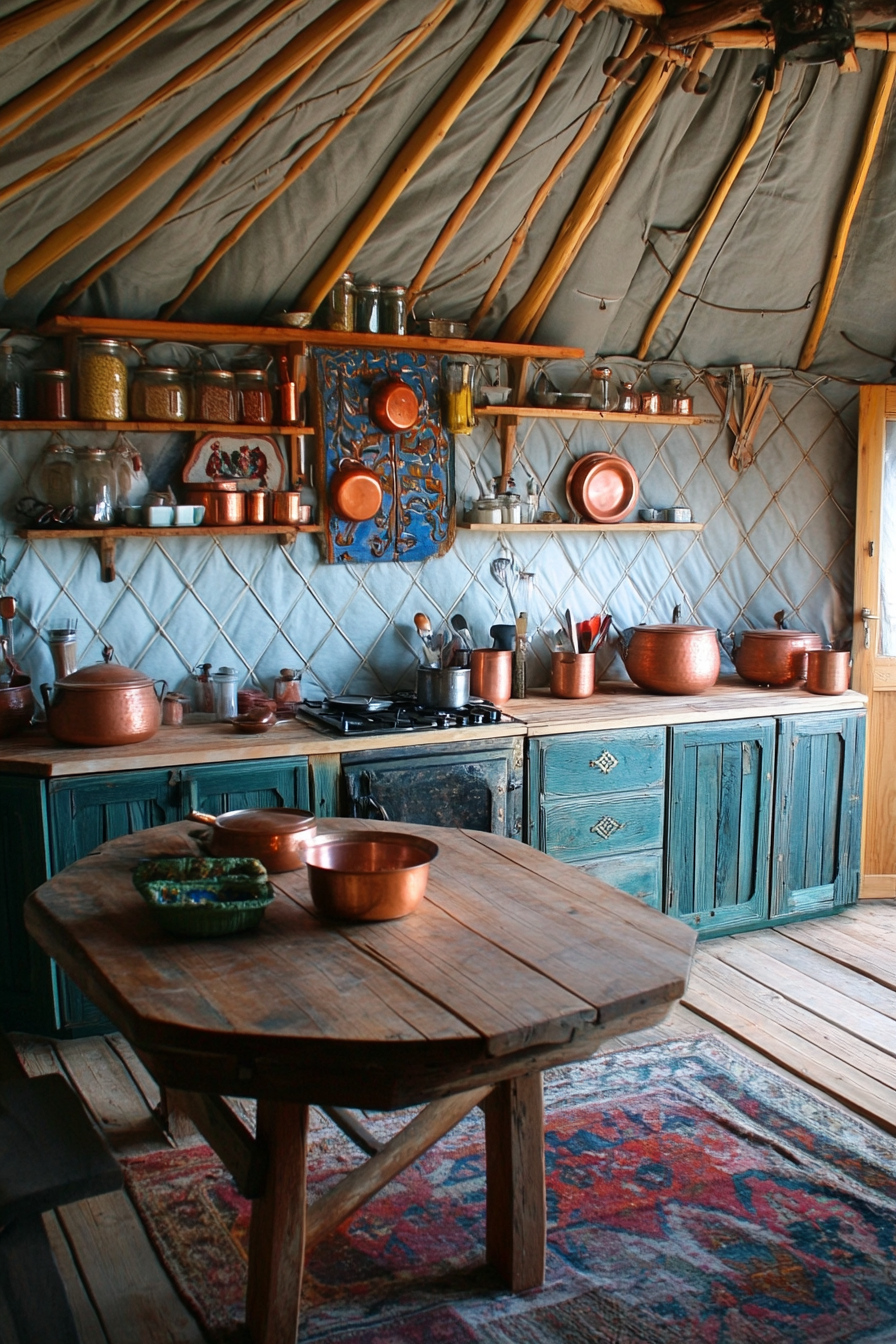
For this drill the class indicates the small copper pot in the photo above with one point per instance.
(393, 405)
(774, 657)
(225, 506)
(16, 705)
(572, 674)
(275, 835)
(258, 506)
(827, 671)
(356, 492)
(671, 659)
(491, 674)
(288, 507)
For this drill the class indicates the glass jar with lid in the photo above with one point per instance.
(12, 385)
(367, 308)
(256, 405)
(52, 394)
(158, 393)
(214, 397)
(341, 304)
(288, 688)
(102, 381)
(604, 396)
(53, 479)
(96, 488)
(394, 310)
(457, 396)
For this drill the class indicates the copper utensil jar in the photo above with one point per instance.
(287, 507)
(258, 506)
(362, 876)
(827, 671)
(225, 506)
(104, 705)
(572, 674)
(774, 657)
(671, 659)
(275, 835)
(491, 674)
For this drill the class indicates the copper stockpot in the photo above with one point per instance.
(671, 659)
(360, 875)
(572, 674)
(275, 835)
(827, 671)
(225, 506)
(491, 674)
(104, 705)
(774, 657)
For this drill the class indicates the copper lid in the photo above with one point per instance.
(106, 675)
(689, 629)
(781, 634)
(266, 820)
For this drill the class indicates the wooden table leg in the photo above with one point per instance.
(515, 1201)
(277, 1229)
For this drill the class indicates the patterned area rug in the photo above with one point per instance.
(693, 1198)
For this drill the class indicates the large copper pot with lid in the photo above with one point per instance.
(105, 705)
(671, 659)
(774, 657)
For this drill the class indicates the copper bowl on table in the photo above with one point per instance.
(275, 835)
(360, 875)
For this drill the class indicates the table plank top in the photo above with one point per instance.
(511, 958)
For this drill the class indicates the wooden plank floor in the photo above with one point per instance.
(817, 1000)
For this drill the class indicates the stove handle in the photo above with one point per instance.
(373, 803)
(365, 802)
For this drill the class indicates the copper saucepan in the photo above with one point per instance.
(393, 405)
(274, 835)
(356, 492)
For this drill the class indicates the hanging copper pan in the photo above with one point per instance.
(393, 405)
(602, 487)
(356, 492)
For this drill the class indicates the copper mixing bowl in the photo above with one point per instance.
(365, 876)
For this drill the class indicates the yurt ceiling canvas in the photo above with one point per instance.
(627, 179)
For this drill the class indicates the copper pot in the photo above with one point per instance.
(288, 507)
(275, 835)
(258, 506)
(393, 405)
(774, 657)
(360, 875)
(356, 492)
(572, 674)
(225, 505)
(104, 705)
(671, 659)
(16, 705)
(827, 671)
(491, 674)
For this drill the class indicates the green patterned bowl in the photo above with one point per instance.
(204, 897)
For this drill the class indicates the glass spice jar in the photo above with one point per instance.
(288, 688)
(12, 385)
(341, 304)
(53, 481)
(158, 394)
(214, 397)
(256, 405)
(394, 310)
(367, 308)
(96, 488)
(52, 394)
(604, 396)
(102, 381)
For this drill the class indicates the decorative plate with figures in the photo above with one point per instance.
(253, 462)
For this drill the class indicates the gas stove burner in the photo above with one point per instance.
(362, 715)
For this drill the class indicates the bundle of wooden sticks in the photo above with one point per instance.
(755, 396)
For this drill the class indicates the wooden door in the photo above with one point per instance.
(224, 788)
(874, 634)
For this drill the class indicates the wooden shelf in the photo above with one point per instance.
(108, 536)
(153, 426)
(581, 527)
(221, 333)
(617, 417)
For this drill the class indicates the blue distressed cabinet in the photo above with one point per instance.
(597, 800)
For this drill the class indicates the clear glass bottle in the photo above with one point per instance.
(458, 396)
(204, 694)
(12, 385)
(604, 396)
(394, 310)
(102, 381)
(96, 488)
(341, 304)
(256, 405)
(367, 308)
(158, 394)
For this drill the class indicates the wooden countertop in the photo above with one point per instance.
(616, 705)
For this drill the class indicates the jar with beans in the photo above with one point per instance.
(158, 394)
(256, 405)
(102, 381)
(214, 397)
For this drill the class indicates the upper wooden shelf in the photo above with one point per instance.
(154, 426)
(223, 333)
(619, 417)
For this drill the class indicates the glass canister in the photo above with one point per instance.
(204, 696)
(367, 308)
(96, 488)
(394, 310)
(630, 401)
(457, 396)
(288, 688)
(214, 397)
(256, 405)
(158, 394)
(341, 304)
(12, 385)
(53, 481)
(224, 690)
(604, 396)
(102, 381)
(511, 507)
(52, 394)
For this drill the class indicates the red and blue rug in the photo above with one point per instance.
(694, 1197)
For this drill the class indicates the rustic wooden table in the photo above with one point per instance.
(513, 963)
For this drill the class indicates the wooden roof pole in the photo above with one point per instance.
(591, 199)
(402, 49)
(196, 70)
(30, 18)
(692, 24)
(614, 176)
(215, 118)
(464, 207)
(515, 19)
(856, 186)
(40, 98)
(610, 85)
(254, 123)
(708, 218)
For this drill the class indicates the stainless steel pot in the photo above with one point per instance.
(104, 705)
(443, 687)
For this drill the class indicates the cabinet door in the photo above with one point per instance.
(818, 812)
(719, 823)
(224, 788)
(26, 996)
(477, 788)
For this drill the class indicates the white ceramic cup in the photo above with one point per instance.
(189, 515)
(158, 515)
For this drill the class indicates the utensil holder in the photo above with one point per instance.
(827, 671)
(491, 674)
(572, 674)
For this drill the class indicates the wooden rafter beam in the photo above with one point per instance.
(694, 24)
(402, 49)
(853, 196)
(708, 218)
(32, 17)
(301, 49)
(514, 20)
(763, 39)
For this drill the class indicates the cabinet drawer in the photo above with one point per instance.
(640, 875)
(599, 763)
(593, 827)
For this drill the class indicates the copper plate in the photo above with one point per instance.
(602, 487)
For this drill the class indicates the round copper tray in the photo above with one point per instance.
(602, 487)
